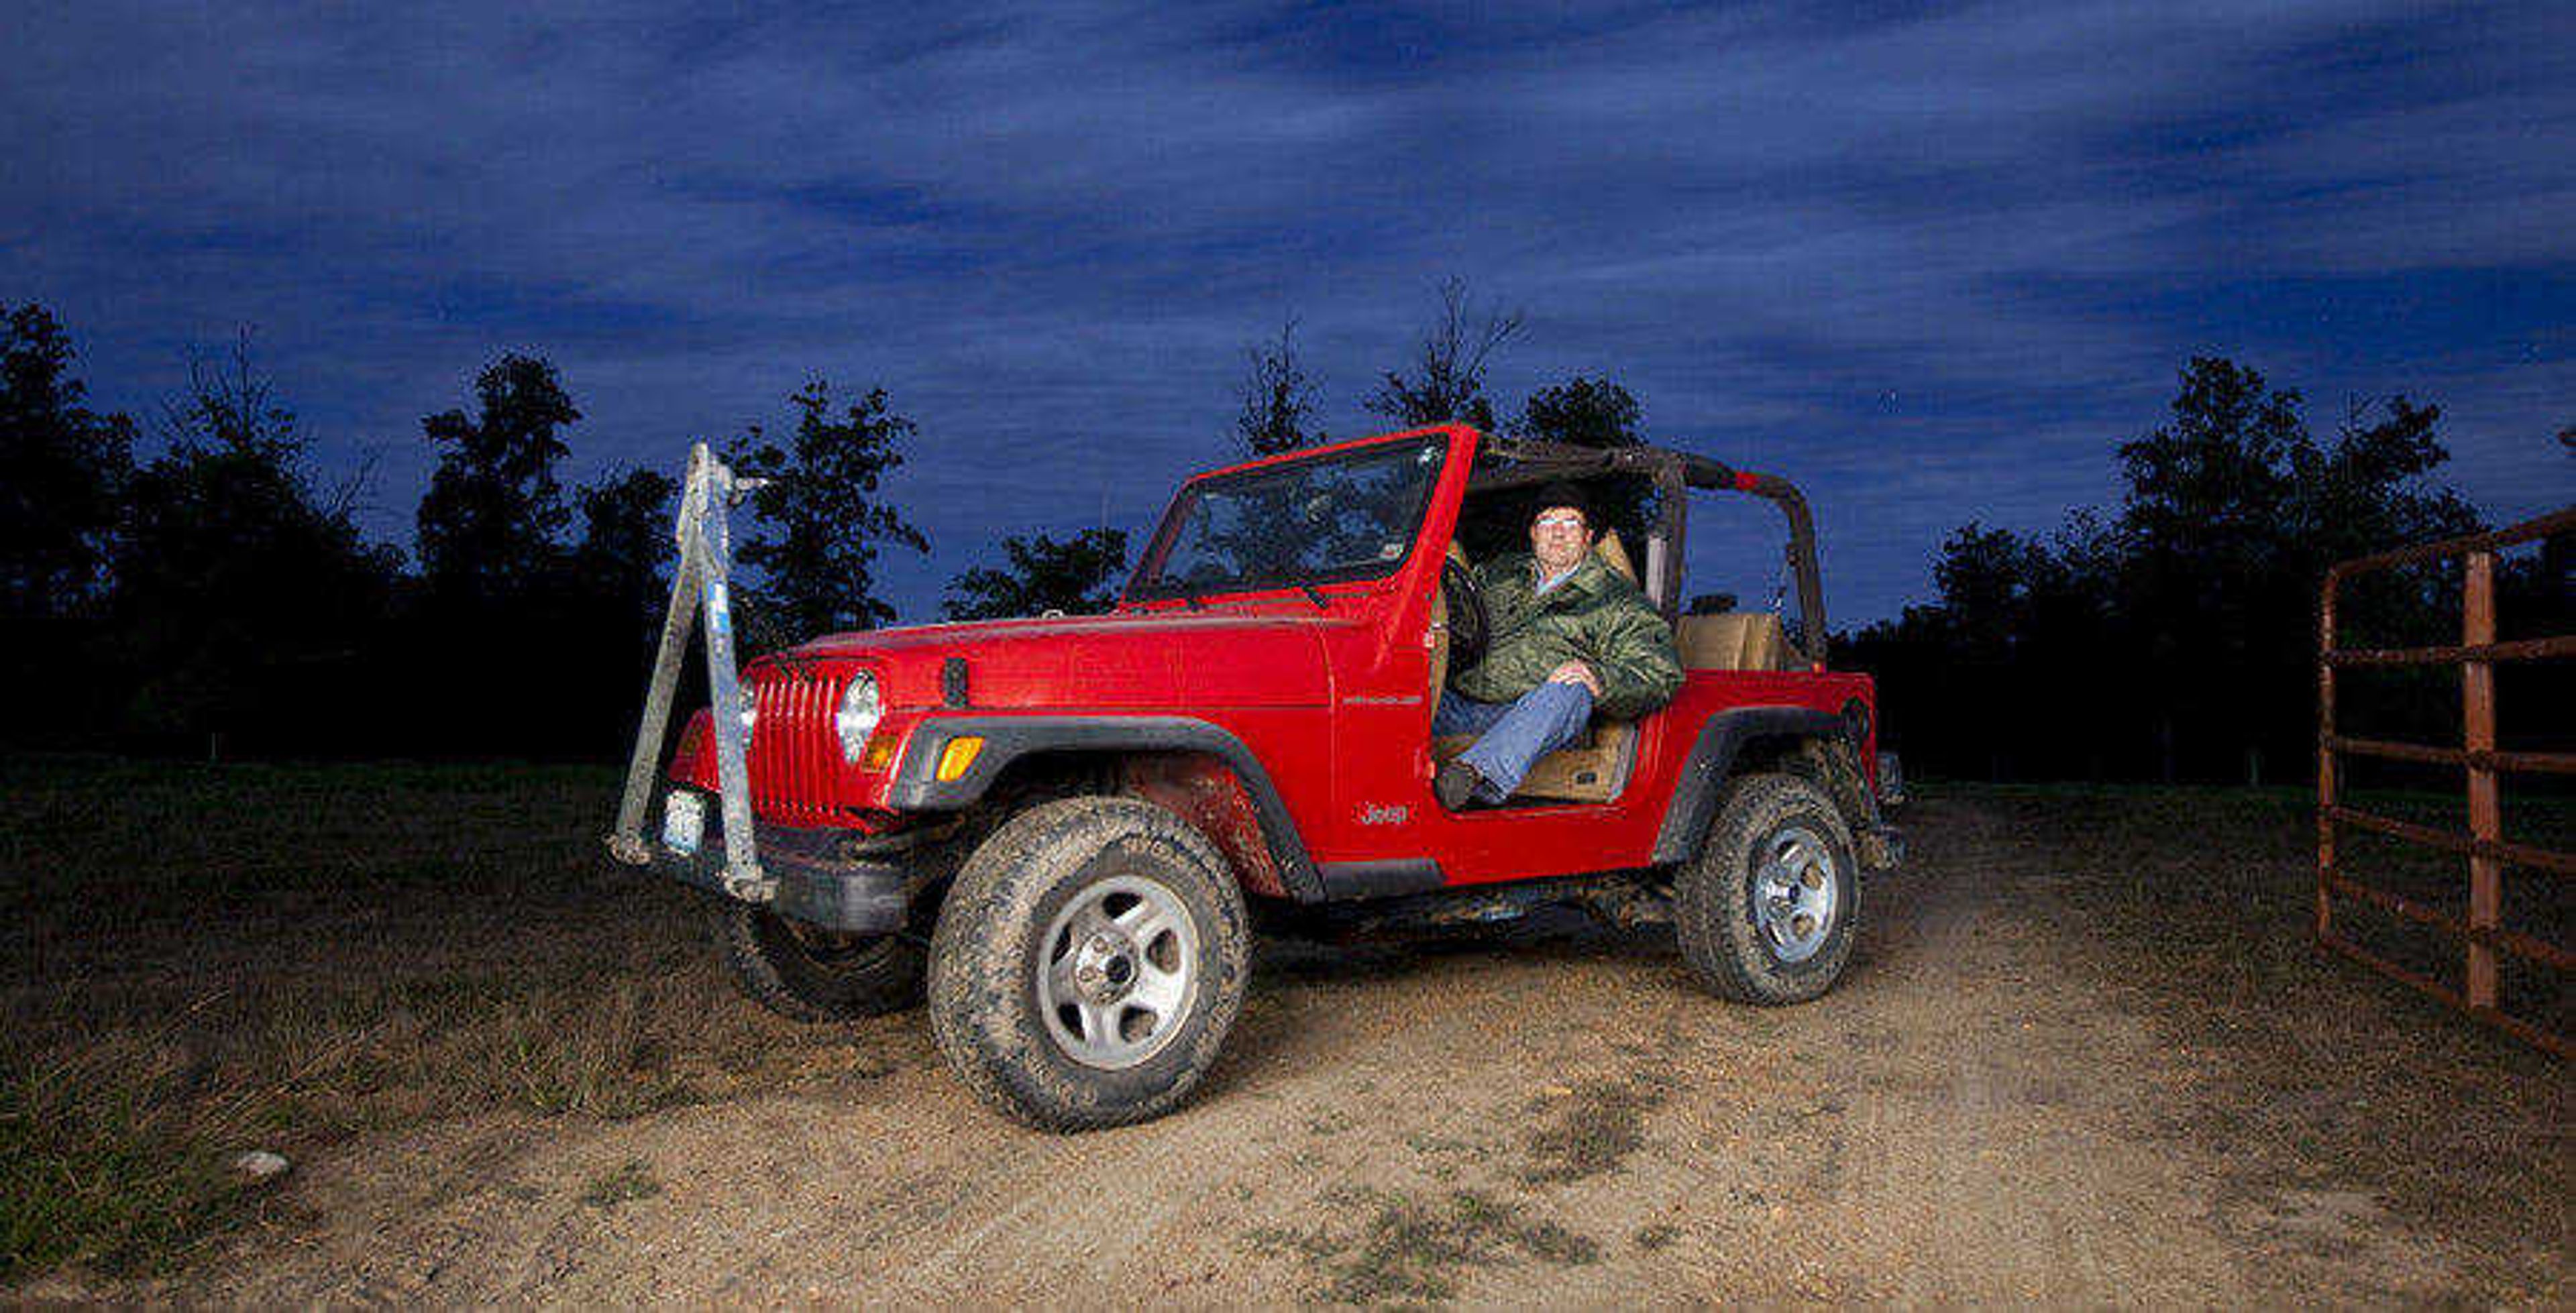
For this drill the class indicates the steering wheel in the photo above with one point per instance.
(1466, 615)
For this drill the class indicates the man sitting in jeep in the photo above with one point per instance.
(1568, 636)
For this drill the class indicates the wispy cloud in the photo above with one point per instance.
(1933, 264)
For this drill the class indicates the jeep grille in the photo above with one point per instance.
(795, 759)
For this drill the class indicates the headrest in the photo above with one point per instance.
(1613, 555)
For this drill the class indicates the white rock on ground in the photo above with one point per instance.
(260, 1164)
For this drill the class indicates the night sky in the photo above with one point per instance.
(1933, 265)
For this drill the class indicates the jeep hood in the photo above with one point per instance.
(1161, 661)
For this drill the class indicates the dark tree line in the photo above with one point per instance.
(215, 597)
(2177, 637)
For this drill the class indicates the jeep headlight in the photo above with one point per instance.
(857, 717)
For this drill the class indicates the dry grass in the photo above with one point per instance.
(2199, 902)
(207, 960)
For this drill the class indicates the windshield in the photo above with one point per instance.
(1352, 515)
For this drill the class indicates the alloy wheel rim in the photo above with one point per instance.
(1794, 895)
(1116, 972)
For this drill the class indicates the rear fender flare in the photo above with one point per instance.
(1711, 763)
(916, 786)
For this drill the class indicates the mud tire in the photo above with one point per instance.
(984, 1009)
(1715, 895)
(806, 976)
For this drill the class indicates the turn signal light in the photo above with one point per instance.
(693, 736)
(880, 753)
(958, 758)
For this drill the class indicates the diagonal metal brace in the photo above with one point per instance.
(699, 582)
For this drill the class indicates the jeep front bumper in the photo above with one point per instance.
(812, 875)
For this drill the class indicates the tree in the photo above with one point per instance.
(1079, 576)
(2197, 602)
(239, 591)
(2211, 589)
(66, 471)
(2233, 514)
(1987, 578)
(2365, 493)
(1448, 379)
(1276, 400)
(1594, 412)
(1582, 412)
(491, 525)
(818, 555)
(625, 543)
(2215, 479)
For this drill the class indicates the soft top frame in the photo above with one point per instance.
(1503, 463)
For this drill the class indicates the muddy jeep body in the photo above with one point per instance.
(1282, 729)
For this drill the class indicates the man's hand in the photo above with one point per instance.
(1575, 672)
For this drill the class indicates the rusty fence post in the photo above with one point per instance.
(2326, 759)
(2478, 718)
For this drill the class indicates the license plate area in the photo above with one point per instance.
(684, 821)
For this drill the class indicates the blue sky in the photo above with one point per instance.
(1932, 263)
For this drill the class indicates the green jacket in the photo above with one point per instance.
(1596, 617)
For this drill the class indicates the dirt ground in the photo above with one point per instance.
(2048, 1077)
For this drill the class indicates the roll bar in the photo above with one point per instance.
(1540, 462)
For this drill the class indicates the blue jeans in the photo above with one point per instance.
(1513, 734)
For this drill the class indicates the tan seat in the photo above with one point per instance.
(1614, 555)
(1737, 640)
(1440, 627)
(1595, 766)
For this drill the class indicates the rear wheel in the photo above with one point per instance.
(1089, 960)
(805, 973)
(1765, 912)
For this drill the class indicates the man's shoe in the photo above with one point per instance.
(1455, 784)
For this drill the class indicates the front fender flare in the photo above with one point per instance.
(916, 786)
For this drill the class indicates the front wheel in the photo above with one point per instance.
(1089, 960)
(1765, 911)
(805, 973)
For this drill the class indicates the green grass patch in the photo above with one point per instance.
(97, 1164)
(201, 960)
(1593, 1129)
(1398, 1246)
(1656, 1237)
(632, 1180)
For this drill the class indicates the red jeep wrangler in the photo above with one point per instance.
(1058, 825)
